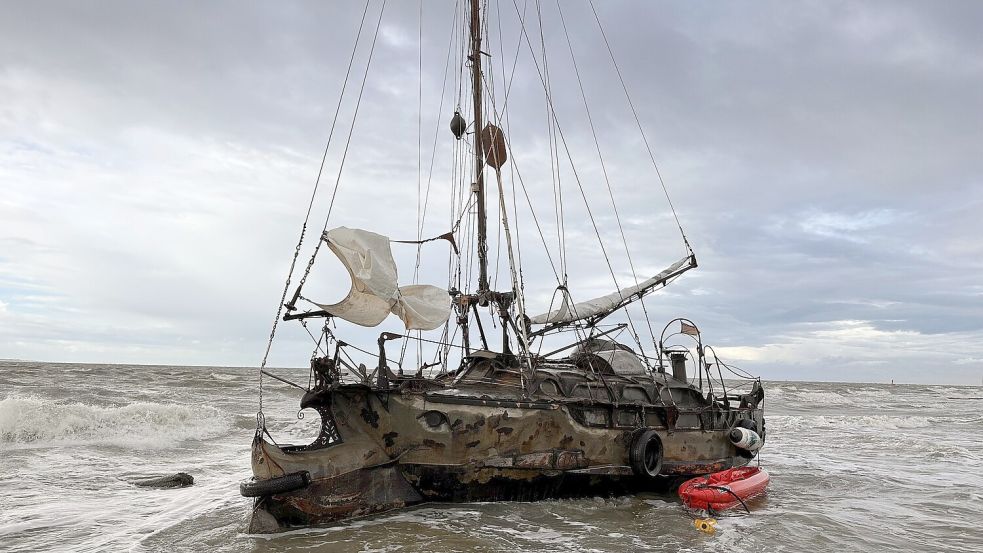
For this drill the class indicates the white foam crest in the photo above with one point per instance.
(37, 420)
(957, 391)
(774, 392)
(849, 422)
(823, 398)
(870, 393)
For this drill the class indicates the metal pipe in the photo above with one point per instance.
(284, 380)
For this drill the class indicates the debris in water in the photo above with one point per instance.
(706, 525)
(178, 480)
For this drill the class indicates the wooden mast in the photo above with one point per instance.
(479, 159)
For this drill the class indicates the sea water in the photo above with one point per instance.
(855, 467)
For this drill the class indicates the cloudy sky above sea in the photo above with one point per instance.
(825, 160)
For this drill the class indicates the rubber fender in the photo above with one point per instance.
(273, 486)
(645, 454)
(745, 439)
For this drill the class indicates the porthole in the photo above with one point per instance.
(434, 420)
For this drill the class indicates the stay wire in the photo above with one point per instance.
(525, 192)
(638, 122)
(555, 171)
(422, 217)
(310, 206)
(507, 85)
(604, 172)
(573, 169)
(348, 141)
(358, 104)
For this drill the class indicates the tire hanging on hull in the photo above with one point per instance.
(645, 454)
(272, 486)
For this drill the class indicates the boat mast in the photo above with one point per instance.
(479, 159)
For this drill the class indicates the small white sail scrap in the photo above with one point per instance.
(375, 293)
(603, 305)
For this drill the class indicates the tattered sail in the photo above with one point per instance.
(370, 263)
(422, 306)
(375, 293)
(567, 313)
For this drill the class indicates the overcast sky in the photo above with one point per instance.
(825, 160)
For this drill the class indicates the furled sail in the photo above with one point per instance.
(375, 293)
(567, 313)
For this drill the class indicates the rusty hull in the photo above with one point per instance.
(404, 447)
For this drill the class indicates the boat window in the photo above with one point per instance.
(689, 420)
(506, 377)
(581, 390)
(597, 417)
(550, 388)
(629, 418)
(634, 394)
(654, 420)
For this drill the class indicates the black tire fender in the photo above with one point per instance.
(272, 486)
(753, 426)
(645, 454)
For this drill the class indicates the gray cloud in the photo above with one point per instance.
(156, 160)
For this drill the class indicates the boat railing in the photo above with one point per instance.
(686, 346)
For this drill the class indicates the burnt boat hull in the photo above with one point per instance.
(379, 489)
(383, 450)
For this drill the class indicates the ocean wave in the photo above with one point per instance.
(774, 392)
(867, 393)
(37, 420)
(848, 422)
(860, 396)
(823, 397)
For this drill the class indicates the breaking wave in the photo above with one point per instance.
(858, 397)
(35, 420)
(828, 398)
(845, 422)
(870, 394)
(225, 377)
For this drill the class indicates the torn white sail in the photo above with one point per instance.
(605, 304)
(375, 293)
(422, 307)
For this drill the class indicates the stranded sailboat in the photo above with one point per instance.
(493, 417)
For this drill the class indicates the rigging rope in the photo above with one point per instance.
(639, 124)
(348, 142)
(607, 180)
(358, 103)
(573, 169)
(307, 216)
(551, 124)
(507, 85)
(532, 211)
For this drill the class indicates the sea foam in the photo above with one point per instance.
(849, 422)
(41, 421)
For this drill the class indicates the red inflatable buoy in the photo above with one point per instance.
(720, 491)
